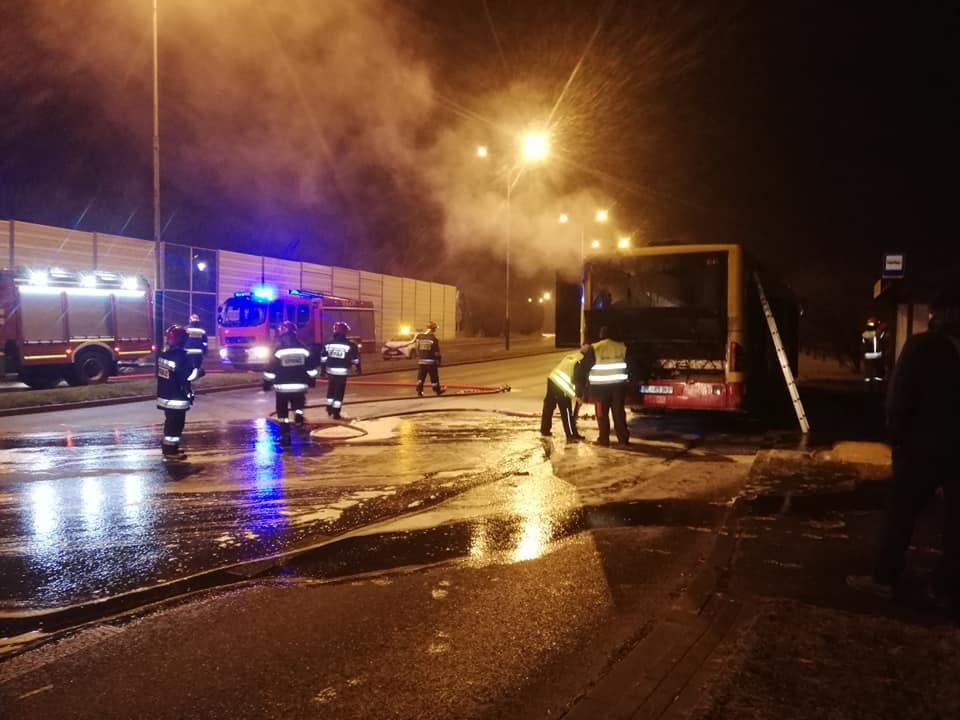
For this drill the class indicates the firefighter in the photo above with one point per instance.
(175, 372)
(873, 342)
(336, 359)
(197, 343)
(606, 363)
(428, 359)
(289, 371)
(564, 384)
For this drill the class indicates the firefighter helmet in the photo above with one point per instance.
(871, 322)
(431, 326)
(175, 335)
(194, 317)
(340, 328)
(288, 327)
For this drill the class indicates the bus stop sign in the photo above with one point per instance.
(893, 265)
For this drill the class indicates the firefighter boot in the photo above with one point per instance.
(284, 433)
(172, 452)
(298, 418)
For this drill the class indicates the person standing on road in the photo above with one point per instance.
(290, 371)
(565, 383)
(338, 356)
(197, 343)
(606, 364)
(428, 359)
(175, 373)
(923, 416)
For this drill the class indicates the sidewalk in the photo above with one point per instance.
(813, 648)
(779, 634)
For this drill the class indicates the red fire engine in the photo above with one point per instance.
(72, 325)
(247, 322)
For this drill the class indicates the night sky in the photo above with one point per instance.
(815, 133)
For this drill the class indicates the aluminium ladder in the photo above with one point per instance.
(782, 357)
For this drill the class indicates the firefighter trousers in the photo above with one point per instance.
(173, 422)
(287, 402)
(431, 370)
(336, 388)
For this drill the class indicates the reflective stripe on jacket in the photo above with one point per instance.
(339, 355)
(610, 367)
(428, 348)
(290, 367)
(175, 372)
(563, 374)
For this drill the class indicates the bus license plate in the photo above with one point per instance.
(656, 389)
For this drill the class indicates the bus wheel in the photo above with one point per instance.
(41, 379)
(90, 367)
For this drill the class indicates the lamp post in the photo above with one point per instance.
(534, 146)
(157, 246)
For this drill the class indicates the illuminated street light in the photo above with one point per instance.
(595, 244)
(623, 243)
(535, 147)
(546, 295)
(602, 216)
(564, 218)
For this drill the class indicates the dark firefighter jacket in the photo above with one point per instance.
(428, 348)
(197, 342)
(339, 355)
(291, 368)
(175, 372)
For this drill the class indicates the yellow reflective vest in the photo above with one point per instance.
(610, 367)
(563, 374)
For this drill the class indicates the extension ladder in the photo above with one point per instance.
(782, 357)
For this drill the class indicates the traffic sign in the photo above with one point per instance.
(893, 265)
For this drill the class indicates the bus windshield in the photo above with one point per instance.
(661, 297)
(242, 312)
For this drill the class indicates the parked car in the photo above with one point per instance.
(400, 347)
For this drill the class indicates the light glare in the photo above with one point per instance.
(536, 146)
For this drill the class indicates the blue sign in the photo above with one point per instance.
(893, 265)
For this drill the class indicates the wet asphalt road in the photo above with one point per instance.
(88, 510)
(448, 563)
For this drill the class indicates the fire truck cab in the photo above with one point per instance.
(248, 323)
(78, 326)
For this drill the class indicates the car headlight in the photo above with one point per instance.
(260, 352)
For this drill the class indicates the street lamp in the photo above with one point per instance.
(534, 148)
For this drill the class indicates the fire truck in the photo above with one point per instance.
(78, 326)
(248, 322)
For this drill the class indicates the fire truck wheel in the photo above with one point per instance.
(40, 379)
(90, 367)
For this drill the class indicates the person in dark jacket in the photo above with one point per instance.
(428, 359)
(923, 415)
(175, 373)
(290, 371)
(197, 342)
(336, 359)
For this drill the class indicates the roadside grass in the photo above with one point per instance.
(141, 387)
